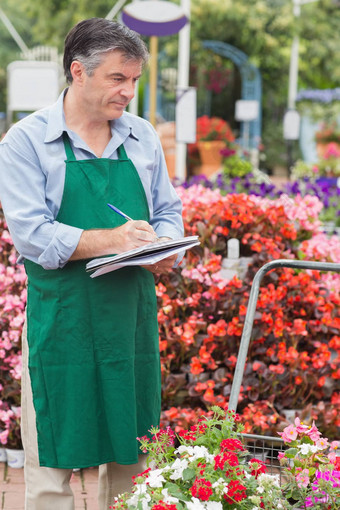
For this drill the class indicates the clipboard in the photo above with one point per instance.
(143, 256)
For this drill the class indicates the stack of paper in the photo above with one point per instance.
(144, 256)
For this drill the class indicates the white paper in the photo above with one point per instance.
(144, 256)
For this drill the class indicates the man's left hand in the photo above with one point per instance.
(165, 265)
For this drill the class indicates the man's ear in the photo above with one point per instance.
(77, 71)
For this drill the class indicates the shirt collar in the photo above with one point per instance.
(56, 124)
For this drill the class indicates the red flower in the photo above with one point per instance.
(226, 458)
(166, 436)
(257, 466)
(236, 492)
(201, 489)
(163, 506)
(195, 366)
(231, 445)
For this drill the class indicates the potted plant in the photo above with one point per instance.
(233, 165)
(327, 167)
(213, 134)
(311, 467)
(10, 437)
(327, 134)
(209, 468)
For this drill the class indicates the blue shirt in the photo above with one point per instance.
(32, 174)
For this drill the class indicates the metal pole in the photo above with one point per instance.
(183, 82)
(293, 73)
(294, 57)
(248, 323)
(115, 9)
(13, 32)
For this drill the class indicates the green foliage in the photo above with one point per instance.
(263, 30)
(52, 19)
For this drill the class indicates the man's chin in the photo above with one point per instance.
(117, 111)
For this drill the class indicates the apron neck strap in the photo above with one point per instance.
(121, 152)
(70, 154)
(68, 149)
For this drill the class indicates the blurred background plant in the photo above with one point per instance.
(327, 166)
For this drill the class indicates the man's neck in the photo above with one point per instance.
(95, 132)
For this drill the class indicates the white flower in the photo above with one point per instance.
(140, 488)
(213, 505)
(272, 480)
(196, 504)
(305, 449)
(167, 498)
(178, 467)
(155, 478)
(195, 452)
(137, 498)
(220, 481)
(145, 504)
(201, 452)
(221, 486)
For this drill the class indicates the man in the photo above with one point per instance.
(93, 343)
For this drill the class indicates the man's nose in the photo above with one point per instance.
(129, 89)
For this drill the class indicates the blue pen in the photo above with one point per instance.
(120, 212)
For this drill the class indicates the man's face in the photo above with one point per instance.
(111, 87)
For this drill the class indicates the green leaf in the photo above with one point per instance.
(291, 452)
(175, 491)
(188, 474)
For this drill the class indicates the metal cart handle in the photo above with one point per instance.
(248, 323)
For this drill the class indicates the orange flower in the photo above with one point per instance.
(195, 366)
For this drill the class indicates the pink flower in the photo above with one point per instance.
(300, 427)
(4, 436)
(332, 150)
(302, 478)
(313, 433)
(289, 434)
(334, 445)
(322, 443)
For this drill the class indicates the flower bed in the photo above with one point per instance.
(294, 354)
(210, 469)
(12, 305)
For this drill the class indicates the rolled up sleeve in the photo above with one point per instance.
(36, 234)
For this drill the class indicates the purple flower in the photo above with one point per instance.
(320, 96)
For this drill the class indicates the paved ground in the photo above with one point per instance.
(12, 488)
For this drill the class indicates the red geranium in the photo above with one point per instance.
(201, 489)
(236, 492)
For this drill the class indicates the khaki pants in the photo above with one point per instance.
(49, 488)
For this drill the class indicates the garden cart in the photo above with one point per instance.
(265, 448)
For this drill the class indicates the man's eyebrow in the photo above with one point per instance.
(121, 75)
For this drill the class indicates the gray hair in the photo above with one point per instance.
(90, 39)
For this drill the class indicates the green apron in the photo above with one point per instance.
(93, 342)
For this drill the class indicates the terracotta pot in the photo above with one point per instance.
(210, 155)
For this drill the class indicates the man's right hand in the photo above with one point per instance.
(133, 234)
(97, 243)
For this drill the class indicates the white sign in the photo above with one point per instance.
(32, 85)
(291, 125)
(246, 110)
(186, 114)
(154, 11)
